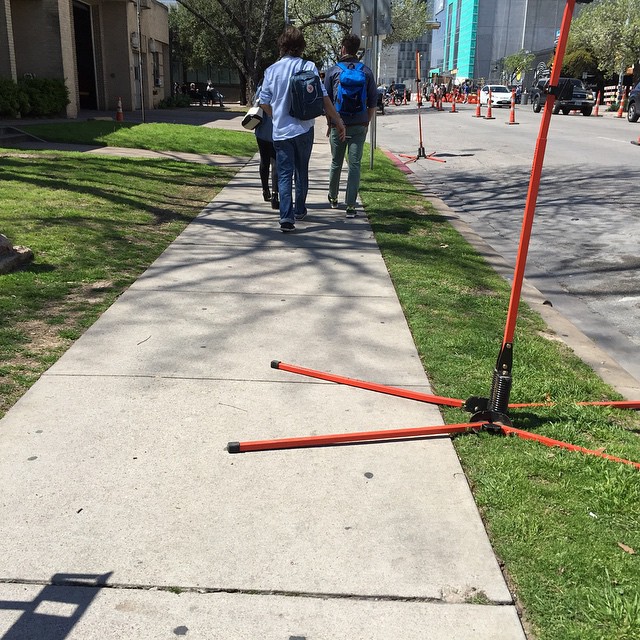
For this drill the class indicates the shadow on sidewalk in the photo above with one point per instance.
(56, 609)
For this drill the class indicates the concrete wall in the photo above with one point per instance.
(42, 42)
(116, 25)
(36, 32)
(37, 37)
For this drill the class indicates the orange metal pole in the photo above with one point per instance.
(370, 386)
(550, 442)
(344, 438)
(616, 404)
(534, 182)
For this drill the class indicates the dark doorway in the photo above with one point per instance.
(84, 56)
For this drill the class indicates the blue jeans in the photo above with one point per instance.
(352, 146)
(292, 159)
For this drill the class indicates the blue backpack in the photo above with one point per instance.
(307, 99)
(351, 97)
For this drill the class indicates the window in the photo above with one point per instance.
(155, 65)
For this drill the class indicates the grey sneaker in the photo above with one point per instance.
(351, 212)
(333, 202)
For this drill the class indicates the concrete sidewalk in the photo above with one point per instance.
(123, 516)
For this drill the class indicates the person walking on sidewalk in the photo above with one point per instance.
(292, 138)
(268, 169)
(351, 86)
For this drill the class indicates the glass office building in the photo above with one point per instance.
(476, 35)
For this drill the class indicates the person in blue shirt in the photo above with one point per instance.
(292, 138)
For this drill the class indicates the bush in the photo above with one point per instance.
(35, 97)
(9, 98)
(179, 100)
(46, 96)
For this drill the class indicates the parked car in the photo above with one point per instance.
(574, 96)
(400, 92)
(500, 95)
(632, 105)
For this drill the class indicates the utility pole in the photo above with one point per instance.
(376, 23)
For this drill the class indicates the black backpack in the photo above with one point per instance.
(305, 90)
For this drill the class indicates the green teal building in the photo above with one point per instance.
(476, 35)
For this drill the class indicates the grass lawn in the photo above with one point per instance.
(94, 225)
(153, 136)
(565, 526)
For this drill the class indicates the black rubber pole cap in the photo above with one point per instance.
(233, 447)
(275, 364)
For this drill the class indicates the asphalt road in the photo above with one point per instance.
(583, 255)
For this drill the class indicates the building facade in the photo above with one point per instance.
(476, 35)
(398, 61)
(104, 49)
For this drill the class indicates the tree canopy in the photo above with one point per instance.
(517, 64)
(238, 33)
(243, 33)
(607, 32)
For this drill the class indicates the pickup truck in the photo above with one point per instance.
(572, 96)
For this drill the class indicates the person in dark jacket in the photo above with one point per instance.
(268, 168)
(357, 125)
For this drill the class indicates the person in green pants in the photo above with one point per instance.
(352, 88)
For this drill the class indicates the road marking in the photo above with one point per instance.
(614, 140)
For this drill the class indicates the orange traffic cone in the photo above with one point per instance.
(597, 109)
(119, 112)
(512, 111)
(636, 142)
(453, 106)
(623, 101)
(404, 97)
(478, 113)
(489, 115)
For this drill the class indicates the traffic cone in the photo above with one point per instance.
(623, 101)
(636, 142)
(597, 110)
(489, 115)
(478, 108)
(404, 97)
(453, 106)
(119, 112)
(512, 111)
